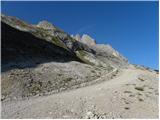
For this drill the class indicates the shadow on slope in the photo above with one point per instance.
(24, 50)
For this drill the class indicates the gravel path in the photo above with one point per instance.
(133, 94)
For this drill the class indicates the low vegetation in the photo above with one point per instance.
(139, 88)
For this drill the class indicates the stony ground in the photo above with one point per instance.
(131, 94)
(48, 78)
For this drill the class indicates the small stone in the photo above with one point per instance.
(2, 97)
(14, 98)
(50, 113)
(89, 114)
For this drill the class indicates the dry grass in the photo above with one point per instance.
(141, 79)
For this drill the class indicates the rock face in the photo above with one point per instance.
(103, 52)
(55, 36)
(109, 55)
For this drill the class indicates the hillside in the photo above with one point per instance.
(42, 62)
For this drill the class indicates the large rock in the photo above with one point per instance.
(88, 40)
(85, 39)
(77, 37)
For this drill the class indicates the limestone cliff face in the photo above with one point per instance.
(103, 52)
(48, 32)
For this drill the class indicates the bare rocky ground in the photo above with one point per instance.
(133, 93)
(48, 78)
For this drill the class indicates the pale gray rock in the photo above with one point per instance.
(46, 25)
(77, 37)
(86, 39)
(109, 55)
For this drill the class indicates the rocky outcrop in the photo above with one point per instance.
(76, 37)
(86, 39)
(104, 52)
(109, 55)
(46, 25)
(48, 32)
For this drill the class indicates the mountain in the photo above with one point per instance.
(26, 46)
(41, 60)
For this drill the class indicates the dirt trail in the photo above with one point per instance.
(133, 94)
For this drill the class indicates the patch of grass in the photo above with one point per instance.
(139, 94)
(126, 102)
(127, 84)
(156, 93)
(131, 95)
(59, 74)
(82, 55)
(139, 88)
(149, 92)
(127, 108)
(127, 92)
(140, 99)
(68, 79)
(97, 76)
(58, 42)
(151, 88)
(93, 71)
(49, 82)
(141, 79)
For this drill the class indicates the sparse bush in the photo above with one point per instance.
(127, 108)
(68, 79)
(139, 88)
(59, 74)
(93, 71)
(140, 99)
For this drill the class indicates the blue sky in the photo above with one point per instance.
(129, 27)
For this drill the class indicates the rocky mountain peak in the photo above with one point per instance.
(78, 37)
(45, 25)
(86, 39)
